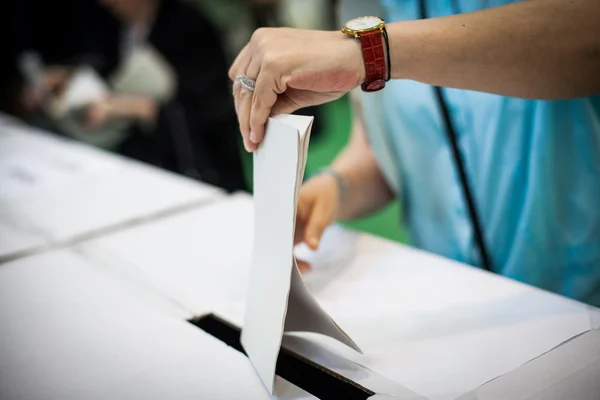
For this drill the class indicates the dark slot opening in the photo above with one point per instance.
(317, 380)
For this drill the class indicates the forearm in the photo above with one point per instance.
(140, 108)
(541, 49)
(366, 188)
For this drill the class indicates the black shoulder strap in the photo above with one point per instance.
(459, 164)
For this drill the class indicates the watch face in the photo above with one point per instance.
(363, 23)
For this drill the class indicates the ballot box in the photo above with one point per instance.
(429, 328)
(70, 330)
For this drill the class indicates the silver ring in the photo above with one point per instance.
(246, 82)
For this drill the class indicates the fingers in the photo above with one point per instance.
(244, 106)
(264, 98)
(93, 115)
(313, 214)
(242, 97)
(248, 145)
(319, 219)
(303, 266)
(253, 114)
(93, 119)
(301, 216)
(236, 92)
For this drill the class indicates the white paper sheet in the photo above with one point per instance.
(68, 110)
(84, 87)
(69, 331)
(277, 297)
(441, 328)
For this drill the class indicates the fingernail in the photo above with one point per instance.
(313, 242)
(252, 137)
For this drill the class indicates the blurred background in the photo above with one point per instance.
(148, 79)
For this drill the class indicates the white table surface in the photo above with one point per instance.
(54, 190)
(436, 328)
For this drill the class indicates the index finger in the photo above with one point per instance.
(265, 96)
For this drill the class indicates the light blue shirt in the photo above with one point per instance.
(533, 166)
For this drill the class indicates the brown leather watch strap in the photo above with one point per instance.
(373, 54)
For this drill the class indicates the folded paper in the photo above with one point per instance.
(277, 300)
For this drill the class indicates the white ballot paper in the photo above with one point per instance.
(278, 299)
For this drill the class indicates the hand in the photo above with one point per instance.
(56, 77)
(133, 107)
(53, 82)
(98, 113)
(293, 68)
(317, 208)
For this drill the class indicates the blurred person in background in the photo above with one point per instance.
(192, 133)
(57, 31)
(497, 164)
(238, 19)
(168, 101)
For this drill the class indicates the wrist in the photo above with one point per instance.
(354, 57)
(145, 109)
(407, 44)
(370, 33)
(341, 186)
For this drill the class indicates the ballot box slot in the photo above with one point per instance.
(314, 378)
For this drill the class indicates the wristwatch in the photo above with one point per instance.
(370, 31)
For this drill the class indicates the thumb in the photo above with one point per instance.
(303, 209)
(316, 224)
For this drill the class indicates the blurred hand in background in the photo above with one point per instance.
(118, 106)
(317, 208)
(52, 83)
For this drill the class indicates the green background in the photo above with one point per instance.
(336, 120)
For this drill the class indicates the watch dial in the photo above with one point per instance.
(362, 23)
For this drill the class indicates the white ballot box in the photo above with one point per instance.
(70, 330)
(199, 264)
(198, 257)
(55, 191)
(430, 328)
